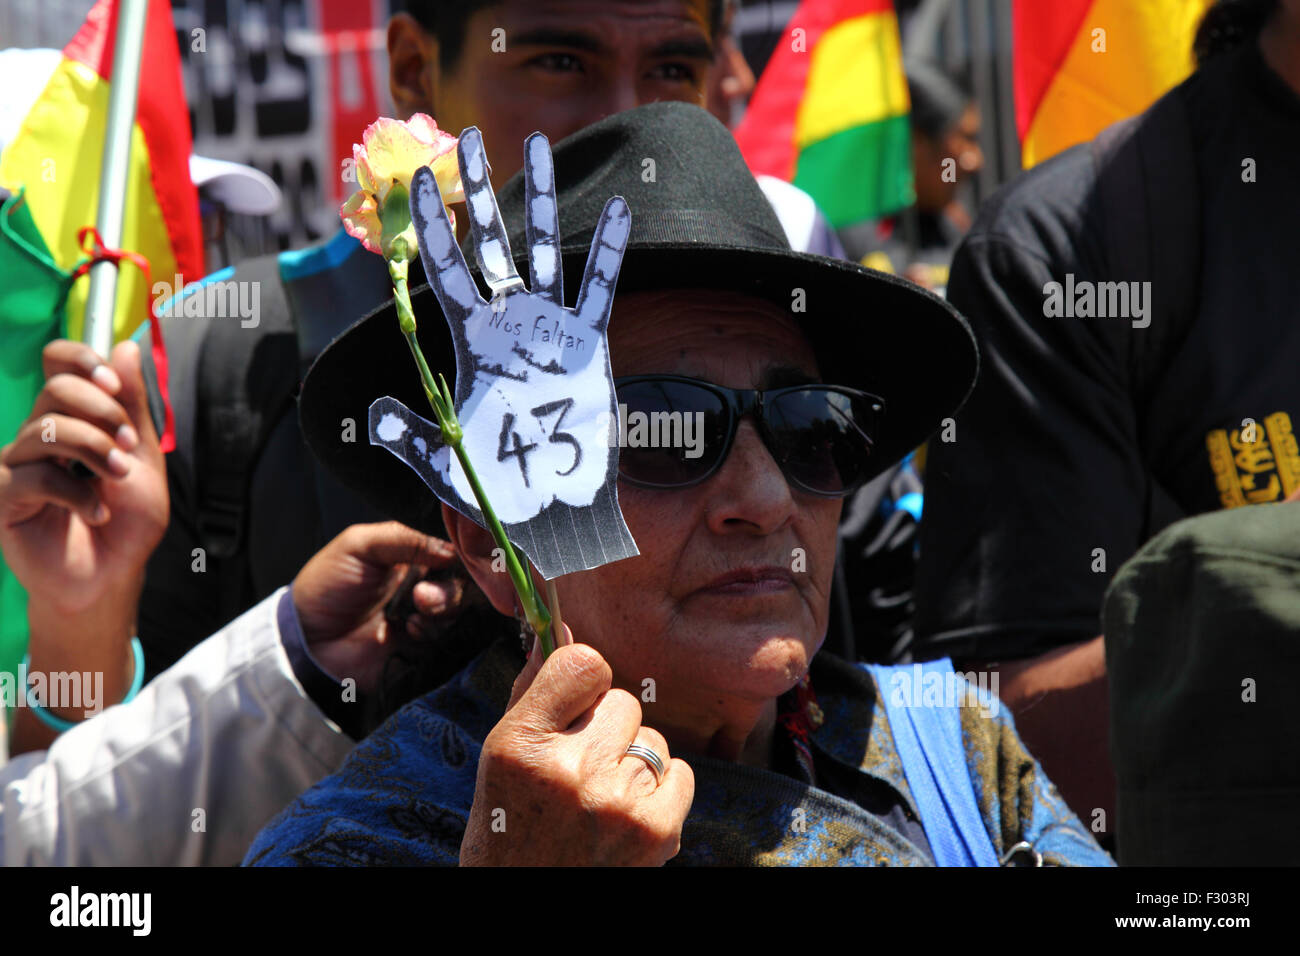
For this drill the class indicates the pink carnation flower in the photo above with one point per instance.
(389, 153)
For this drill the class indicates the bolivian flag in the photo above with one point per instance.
(57, 152)
(1081, 65)
(830, 111)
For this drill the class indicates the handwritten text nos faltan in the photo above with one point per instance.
(544, 331)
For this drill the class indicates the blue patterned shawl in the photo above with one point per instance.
(404, 794)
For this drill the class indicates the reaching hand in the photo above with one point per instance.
(341, 592)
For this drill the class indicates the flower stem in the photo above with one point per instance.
(553, 597)
(426, 377)
(398, 271)
(534, 610)
(444, 409)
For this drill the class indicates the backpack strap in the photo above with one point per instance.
(247, 378)
(933, 754)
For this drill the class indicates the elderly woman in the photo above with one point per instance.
(692, 718)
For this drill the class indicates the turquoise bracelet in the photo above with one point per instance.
(58, 724)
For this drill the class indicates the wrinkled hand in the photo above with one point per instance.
(75, 543)
(340, 595)
(556, 785)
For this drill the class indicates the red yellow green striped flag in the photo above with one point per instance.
(830, 111)
(1080, 65)
(56, 155)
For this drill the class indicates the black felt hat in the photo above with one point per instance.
(699, 221)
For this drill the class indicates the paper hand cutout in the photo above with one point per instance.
(534, 390)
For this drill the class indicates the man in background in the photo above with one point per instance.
(919, 242)
(1087, 433)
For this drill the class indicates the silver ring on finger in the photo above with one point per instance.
(651, 758)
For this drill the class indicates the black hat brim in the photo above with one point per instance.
(868, 330)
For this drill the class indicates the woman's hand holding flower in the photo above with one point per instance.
(556, 785)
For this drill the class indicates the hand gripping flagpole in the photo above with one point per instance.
(123, 92)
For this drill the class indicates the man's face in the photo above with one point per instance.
(668, 614)
(731, 81)
(963, 142)
(934, 190)
(567, 64)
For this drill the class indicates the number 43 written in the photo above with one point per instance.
(511, 444)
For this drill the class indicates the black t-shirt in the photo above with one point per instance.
(1056, 470)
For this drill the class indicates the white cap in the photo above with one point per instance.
(23, 75)
(241, 189)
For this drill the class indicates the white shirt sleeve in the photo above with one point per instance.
(805, 225)
(185, 774)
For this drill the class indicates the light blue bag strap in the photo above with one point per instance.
(933, 755)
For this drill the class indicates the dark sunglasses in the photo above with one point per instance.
(676, 432)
